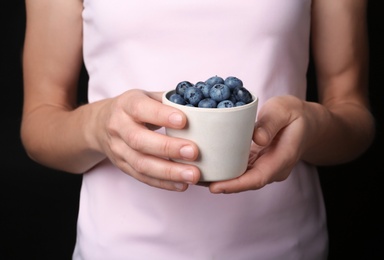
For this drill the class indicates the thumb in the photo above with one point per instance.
(271, 119)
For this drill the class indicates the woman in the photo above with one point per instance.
(135, 50)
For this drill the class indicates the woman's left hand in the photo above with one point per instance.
(281, 132)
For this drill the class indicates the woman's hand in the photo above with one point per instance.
(336, 130)
(127, 138)
(59, 134)
(282, 132)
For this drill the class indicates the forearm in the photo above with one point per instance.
(344, 126)
(338, 133)
(61, 138)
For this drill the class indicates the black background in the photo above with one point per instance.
(39, 205)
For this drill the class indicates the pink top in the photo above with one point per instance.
(153, 45)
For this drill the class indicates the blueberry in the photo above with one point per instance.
(225, 104)
(182, 86)
(176, 98)
(193, 95)
(214, 80)
(233, 82)
(220, 92)
(239, 103)
(232, 98)
(207, 103)
(204, 88)
(242, 94)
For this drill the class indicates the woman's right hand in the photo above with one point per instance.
(125, 135)
(59, 134)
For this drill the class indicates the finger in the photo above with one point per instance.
(165, 185)
(149, 180)
(158, 183)
(274, 164)
(254, 179)
(272, 117)
(156, 95)
(146, 167)
(146, 141)
(145, 109)
(155, 182)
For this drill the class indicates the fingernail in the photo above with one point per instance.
(179, 186)
(187, 176)
(187, 152)
(175, 118)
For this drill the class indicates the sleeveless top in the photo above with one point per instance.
(153, 45)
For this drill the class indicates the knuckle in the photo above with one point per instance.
(161, 184)
(139, 165)
(112, 124)
(166, 147)
(135, 107)
(111, 128)
(134, 140)
(168, 174)
(114, 148)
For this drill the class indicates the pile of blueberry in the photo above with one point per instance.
(215, 92)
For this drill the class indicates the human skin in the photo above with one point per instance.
(58, 133)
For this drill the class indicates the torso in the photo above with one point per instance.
(153, 45)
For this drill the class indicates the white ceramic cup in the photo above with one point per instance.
(223, 136)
